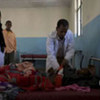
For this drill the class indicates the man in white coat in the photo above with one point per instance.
(60, 46)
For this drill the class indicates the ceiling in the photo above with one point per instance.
(33, 3)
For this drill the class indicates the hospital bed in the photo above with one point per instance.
(62, 95)
(94, 94)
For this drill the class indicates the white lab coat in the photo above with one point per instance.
(52, 47)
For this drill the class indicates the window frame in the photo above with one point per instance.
(78, 17)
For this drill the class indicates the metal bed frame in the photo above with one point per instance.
(93, 59)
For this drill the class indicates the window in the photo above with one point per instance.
(78, 17)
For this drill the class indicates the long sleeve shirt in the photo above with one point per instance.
(10, 41)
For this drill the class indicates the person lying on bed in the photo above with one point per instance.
(14, 71)
(26, 67)
(24, 75)
(21, 68)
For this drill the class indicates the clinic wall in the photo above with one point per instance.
(31, 45)
(34, 22)
(89, 41)
(91, 9)
(72, 16)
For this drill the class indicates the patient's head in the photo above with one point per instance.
(83, 71)
(92, 69)
(27, 72)
(86, 71)
(25, 65)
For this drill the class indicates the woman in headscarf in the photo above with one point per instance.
(2, 44)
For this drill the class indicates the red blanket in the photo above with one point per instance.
(31, 82)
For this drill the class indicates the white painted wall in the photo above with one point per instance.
(72, 16)
(91, 9)
(34, 22)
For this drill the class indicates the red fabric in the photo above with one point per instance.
(45, 84)
(32, 82)
(62, 95)
(4, 69)
(58, 80)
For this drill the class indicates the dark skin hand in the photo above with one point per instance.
(64, 62)
(51, 71)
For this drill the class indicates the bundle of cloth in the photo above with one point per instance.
(83, 77)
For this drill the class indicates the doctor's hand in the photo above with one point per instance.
(64, 62)
(51, 71)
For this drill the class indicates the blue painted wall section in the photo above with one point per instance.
(31, 45)
(89, 42)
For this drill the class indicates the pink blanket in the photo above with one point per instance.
(74, 87)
